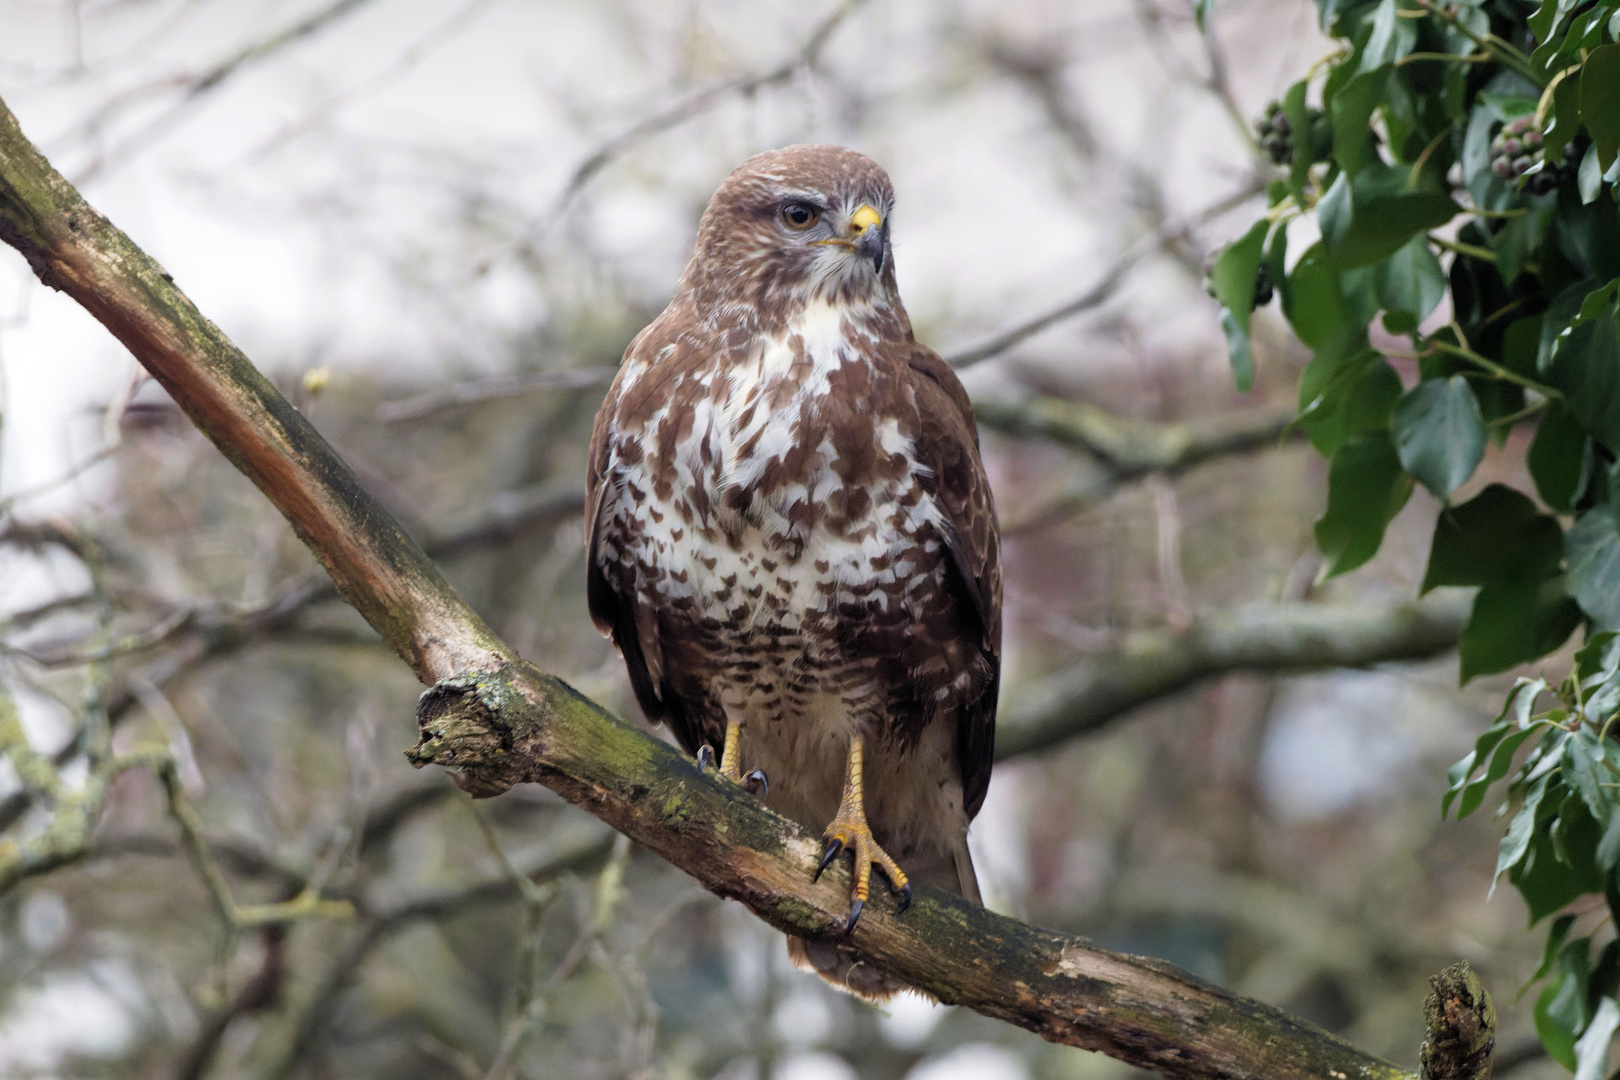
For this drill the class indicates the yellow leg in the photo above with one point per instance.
(849, 829)
(731, 756)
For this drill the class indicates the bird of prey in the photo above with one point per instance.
(791, 536)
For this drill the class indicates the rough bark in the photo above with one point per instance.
(494, 720)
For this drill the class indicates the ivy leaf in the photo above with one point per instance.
(1439, 433)
(1586, 368)
(1342, 399)
(1366, 489)
(1566, 118)
(1350, 111)
(1592, 1051)
(1584, 770)
(1593, 548)
(1232, 279)
(1600, 101)
(1560, 458)
(1371, 217)
(1521, 832)
(1549, 955)
(1497, 537)
(1410, 280)
(1515, 621)
(1392, 37)
(1560, 1012)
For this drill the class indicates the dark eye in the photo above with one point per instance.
(798, 216)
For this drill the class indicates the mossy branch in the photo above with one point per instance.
(493, 720)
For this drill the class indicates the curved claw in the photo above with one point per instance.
(705, 758)
(905, 896)
(834, 846)
(854, 917)
(757, 783)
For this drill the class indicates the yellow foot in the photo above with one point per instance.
(850, 830)
(754, 783)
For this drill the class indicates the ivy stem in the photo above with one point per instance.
(1492, 44)
(1463, 249)
(1513, 418)
(1493, 367)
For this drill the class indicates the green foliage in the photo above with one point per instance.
(1469, 151)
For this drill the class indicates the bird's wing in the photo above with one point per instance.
(947, 441)
(614, 602)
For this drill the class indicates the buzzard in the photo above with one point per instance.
(792, 540)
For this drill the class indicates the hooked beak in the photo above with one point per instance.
(870, 235)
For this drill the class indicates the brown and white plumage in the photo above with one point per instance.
(790, 529)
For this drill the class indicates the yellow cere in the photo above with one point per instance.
(865, 218)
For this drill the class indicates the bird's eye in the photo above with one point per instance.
(799, 217)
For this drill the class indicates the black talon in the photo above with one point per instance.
(854, 917)
(756, 782)
(705, 757)
(905, 896)
(834, 846)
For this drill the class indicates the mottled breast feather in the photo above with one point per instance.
(785, 494)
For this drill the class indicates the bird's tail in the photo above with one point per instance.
(840, 966)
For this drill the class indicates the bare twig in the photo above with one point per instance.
(700, 101)
(1107, 283)
(195, 88)
(471, 393)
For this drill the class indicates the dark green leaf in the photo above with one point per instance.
(1350, 110)
(1238, 352)
(1556, 1036)
(1518, 241)
(1589, 177)
(1232, 276)
(1201, 9)
(1232, 280)
(1299, 122)
(1548, 16)
(1608, 849)
(1342, 399)
(1560, 1011)
(1584, 771)
(1565, 307)
(1600, 101)
(1513, 622)
(1501, 760)
(1560, 458)
(1313, 302)
(1392, 37)
(1497, 537)
(1519, 840)
(1410, 280)
(1593, 549)
(1592, 1051)
(1560, 867)
(1439, 434)
(1366, 488)
(1566, 118)
(1586, 368)
(1373, 216)
(1556, 933)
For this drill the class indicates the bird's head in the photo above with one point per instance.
(796, 224)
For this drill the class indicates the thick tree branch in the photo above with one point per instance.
(1276, 637)
(374, 562)
(494, 720)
